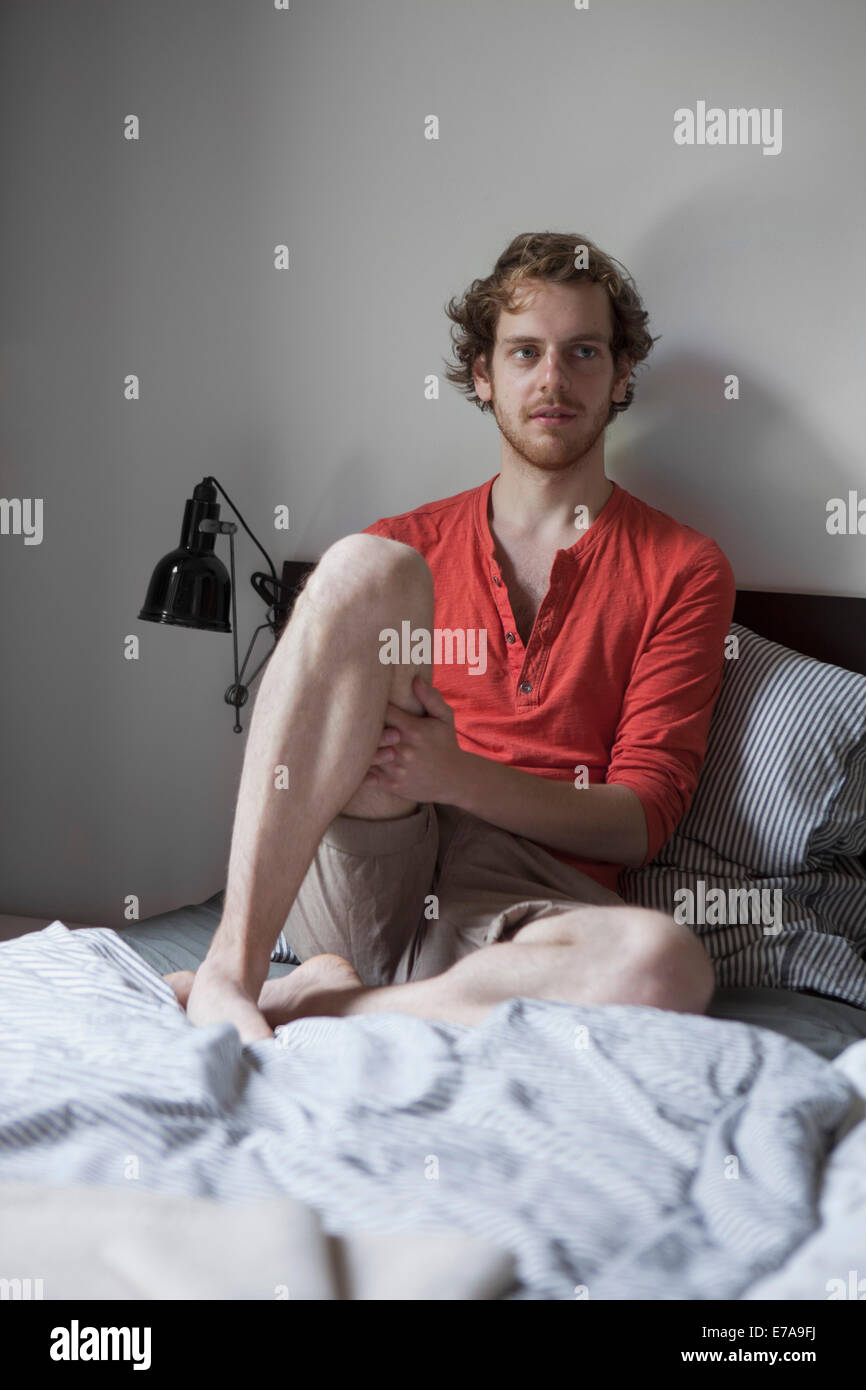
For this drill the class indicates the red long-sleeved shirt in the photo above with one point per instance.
(624, 662)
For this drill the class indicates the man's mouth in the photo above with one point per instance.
(553, 415)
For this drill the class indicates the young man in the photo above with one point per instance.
(452, 835)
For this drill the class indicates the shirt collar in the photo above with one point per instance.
(586, 541)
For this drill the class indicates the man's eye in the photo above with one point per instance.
(583, 347)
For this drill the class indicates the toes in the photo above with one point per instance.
(181, 982)
(335, 964)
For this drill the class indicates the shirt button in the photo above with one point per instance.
(509, 636)
(525, 687)
(497, 581)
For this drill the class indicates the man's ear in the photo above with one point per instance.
(481, 377)
(622, 373)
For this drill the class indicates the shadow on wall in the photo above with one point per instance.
(752, 473)
(704, 459)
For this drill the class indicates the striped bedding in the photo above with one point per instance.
(617, 1152)
(780, 808)
(821, 942)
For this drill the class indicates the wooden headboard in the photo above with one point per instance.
(823, 626)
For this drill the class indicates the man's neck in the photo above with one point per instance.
(529, 502)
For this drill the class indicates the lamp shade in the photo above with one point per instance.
(190, 587)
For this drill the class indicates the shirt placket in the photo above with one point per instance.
(513, 644)
(526, 664)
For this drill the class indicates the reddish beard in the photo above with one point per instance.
(537, 451)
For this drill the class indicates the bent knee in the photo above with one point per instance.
(670, 962)
(362, 566)
(647, 957)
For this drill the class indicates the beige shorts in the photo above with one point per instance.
(405, 899)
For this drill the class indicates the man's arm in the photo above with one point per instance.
(664, 721)
(420, 759)
(596, 822)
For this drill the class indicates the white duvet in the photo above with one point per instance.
(612, 1152)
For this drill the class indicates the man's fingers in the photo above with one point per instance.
(433, 702)
(399, 719)
(382, 756)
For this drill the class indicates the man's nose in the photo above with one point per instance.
(553, 367)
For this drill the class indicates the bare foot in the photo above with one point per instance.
(217, 997)
(181, 983)
(319, 987)
(313, 988)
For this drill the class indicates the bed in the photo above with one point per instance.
(555, 1151)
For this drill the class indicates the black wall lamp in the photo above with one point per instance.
(190, 587)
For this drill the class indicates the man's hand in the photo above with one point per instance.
(419, 759)
(418, 756)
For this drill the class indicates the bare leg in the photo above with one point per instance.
(320, 714)
(593, 955)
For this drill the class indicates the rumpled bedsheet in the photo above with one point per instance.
(614, 1152)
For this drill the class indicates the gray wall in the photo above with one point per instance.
(305, 387)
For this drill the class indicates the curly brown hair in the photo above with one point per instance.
(544, 256)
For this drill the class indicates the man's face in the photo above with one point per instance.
(553, 353)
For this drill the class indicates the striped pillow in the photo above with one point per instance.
(783, 784)
(816, 938)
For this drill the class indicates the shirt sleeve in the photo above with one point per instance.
(661, 738)
(379, 528)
